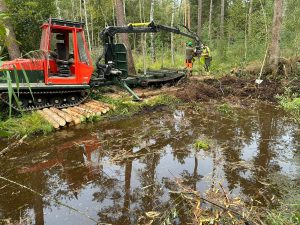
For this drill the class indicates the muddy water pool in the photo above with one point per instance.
(114, 171)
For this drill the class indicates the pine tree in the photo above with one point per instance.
(199, 27)
(274, 51)
(124, 37)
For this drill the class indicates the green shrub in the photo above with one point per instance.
(201, 144)
(291, 105)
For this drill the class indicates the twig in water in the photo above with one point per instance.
(13, 145)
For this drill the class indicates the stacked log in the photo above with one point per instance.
(59, 118)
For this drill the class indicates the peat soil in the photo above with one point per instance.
(229, 87)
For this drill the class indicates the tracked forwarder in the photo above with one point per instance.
(61, 73)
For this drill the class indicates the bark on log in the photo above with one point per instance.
(97, 107)
(83, 114)
(104, 104)
(96, 113)
(74, 113)
(76, 119)
(83, 111)
(49, 119)
(87, 110)
(62, 114)
(93, 109)
(55, 117)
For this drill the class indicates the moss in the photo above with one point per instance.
(27, 124)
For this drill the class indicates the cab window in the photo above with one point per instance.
(83, 56)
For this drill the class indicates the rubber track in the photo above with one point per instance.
(32, 108)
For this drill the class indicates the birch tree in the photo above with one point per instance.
(124, 37)
(153, 56)
(274, 51)
(11, 42)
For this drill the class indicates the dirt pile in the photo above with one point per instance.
(195, 90)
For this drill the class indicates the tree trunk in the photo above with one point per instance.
(199, 17)
(210, 20)
(12, 45)
(185, 12)
(113, 11)
(87, 25)
(92, 30)
(189, 14)
(124, 37)
(80, 10)
(153, 56)
(275, 40)
(172, 35)
(142, 39)
(58, 9)
(222, 18)
(73, 10)
(249, 18)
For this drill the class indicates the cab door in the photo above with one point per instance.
(84, 67)
(62, 66)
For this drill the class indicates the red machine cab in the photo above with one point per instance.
(57, 75)
(68, 59)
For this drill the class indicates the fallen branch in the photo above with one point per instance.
(13, 145)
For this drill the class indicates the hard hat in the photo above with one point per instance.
(190, 43)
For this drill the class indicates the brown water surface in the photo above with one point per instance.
(86, 167)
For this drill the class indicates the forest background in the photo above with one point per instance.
(237, 31)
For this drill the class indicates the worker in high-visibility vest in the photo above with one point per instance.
(189, 56)
(206, 58)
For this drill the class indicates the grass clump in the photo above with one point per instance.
(124, 106)
(201, 144)
(225, 109)
(285, 216)
(166, 100)
(27, 124)
(288, 210)
(292, 106)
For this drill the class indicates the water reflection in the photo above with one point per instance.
(116, 171)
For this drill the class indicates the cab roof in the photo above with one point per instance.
(63, 23)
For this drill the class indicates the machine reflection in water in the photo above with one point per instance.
(116, 171)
